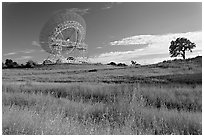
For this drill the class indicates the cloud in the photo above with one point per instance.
(155, 39)
(11, 53)
(109, 5)
(79, 11)
(134, 40)
(115, 56)
(98, 47)
(28, 51)
(24, 57)
(35, 43)
(157, 49)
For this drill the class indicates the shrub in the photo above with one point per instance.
(3, 65)
(10, 64)
(121, 64)
(112, 63)
(30, 64)
(45, 62)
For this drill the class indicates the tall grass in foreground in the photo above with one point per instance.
(100, 109)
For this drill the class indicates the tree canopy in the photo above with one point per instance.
(10, 63)
(180, 46)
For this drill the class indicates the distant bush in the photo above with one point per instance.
(70, 58)
(22, 66)
(134, 63)
(30, 64)
(112, 63)
(10, 64)
(98, 63)
(121, 64)
(45, 62)
(3, 65)
(93, 70)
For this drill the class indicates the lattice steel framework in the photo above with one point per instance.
(63, 37)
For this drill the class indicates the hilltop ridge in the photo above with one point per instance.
(177, 71)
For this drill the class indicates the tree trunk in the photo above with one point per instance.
(183, 55)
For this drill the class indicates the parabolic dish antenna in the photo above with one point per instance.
(63, 36)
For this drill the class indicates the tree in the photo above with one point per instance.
(112, 63)
(180, 46)
(45, 62)
(22, 65)
(121, 64)
(9, 63)
(134, 63)
(15, 65)
(3, 65)
(30, 64)
(70, 58)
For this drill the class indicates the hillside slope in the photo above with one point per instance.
(182, 71)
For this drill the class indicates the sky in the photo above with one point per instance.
(116, 31)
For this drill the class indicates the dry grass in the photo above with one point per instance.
(85, 108)
(176, 71)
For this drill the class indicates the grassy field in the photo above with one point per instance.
(156, 99)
